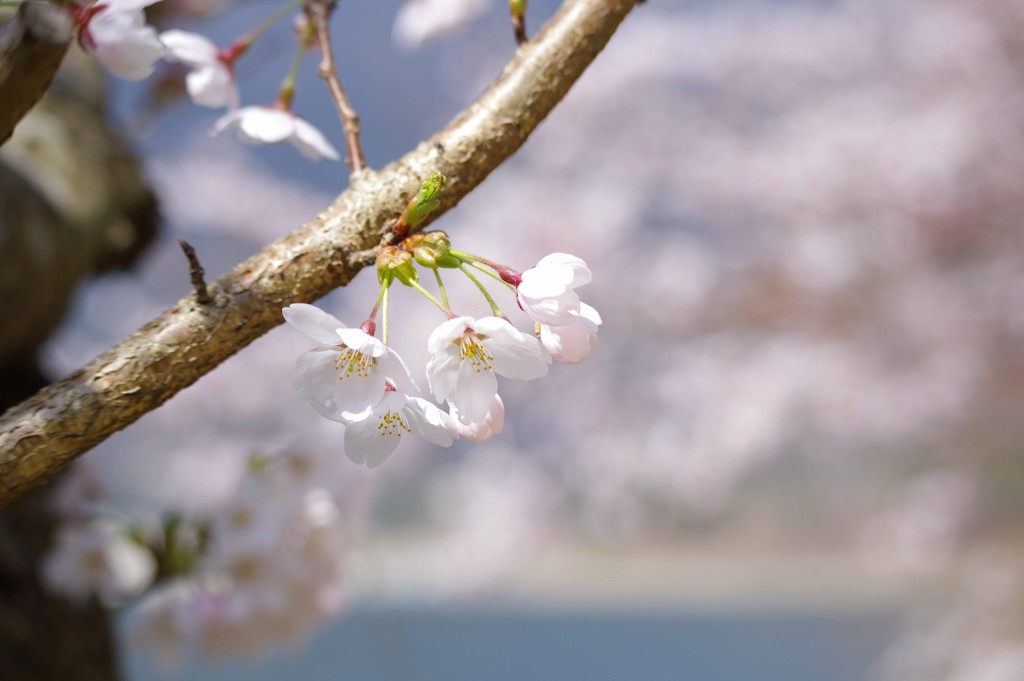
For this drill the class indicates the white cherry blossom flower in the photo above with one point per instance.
(492, 424)
(268, 125)
(373, 437)
(210, 81)
(350, 369)
(419, 21)
(116, 32)
(98, 558)
(574, 342)
(466, 355)
(546, 291)
(167, 620)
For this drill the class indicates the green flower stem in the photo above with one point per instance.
(444, 308)
(440, 287)
(469, 257)
(248, 38)
(287, 92)
(491, 273)
(490, 301)
(482, 264)
(384, 285)
(385, 319)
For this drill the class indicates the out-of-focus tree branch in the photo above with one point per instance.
(32, 45)
(45, 433)
(74, 203)
(319, 13)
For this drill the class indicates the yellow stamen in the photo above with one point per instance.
(392, 424)
(351, 363)
(472, 350)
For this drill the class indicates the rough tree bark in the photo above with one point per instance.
(72, 203)
(32, 46)
(45, 433)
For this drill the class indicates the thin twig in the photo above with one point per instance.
(517, 13)
(196, 273)
(45, 433)
(319, 13)
(519, 28)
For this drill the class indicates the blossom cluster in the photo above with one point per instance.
(357, 379)
(116, 33)
(260, 569)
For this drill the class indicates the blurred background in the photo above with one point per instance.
(796, 455)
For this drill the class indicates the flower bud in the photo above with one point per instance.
(426, 201)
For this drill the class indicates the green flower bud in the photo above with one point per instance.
(426, 201)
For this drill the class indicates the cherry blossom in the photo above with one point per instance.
(546, 291)
(465, 356)
(117, 33)
(573, 342)
(349, 369)
(419, 21)
(210, 81)
(372, 437)
(267, 125)
(98, 558)
(167, 620)
(490, 426)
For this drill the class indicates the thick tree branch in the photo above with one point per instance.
(45, 433)
(32, 45)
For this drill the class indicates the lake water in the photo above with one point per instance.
(497, 645)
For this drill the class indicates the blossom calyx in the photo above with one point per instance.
(394, 263)
(431, 250)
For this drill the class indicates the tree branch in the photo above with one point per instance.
(32, 46)
(196, 273)
(45, 433)
(319, 13)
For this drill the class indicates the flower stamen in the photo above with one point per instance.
(392, 424)
(353, 363)
(472, 350)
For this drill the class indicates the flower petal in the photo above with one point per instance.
(481, 431)
(258, 124)
(474, 393)
(396, 371)
(429, 422)
(188, 48)
(446, 333)
(354, 392)
(362, 342)
(515, 354)
(443, 372)
(312, 143)
(124, 44)
(212, 86)
(580, 276)
(316, 374)
(371, 441)
(573, 343)
(313, 322)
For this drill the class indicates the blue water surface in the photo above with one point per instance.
(419, 644)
